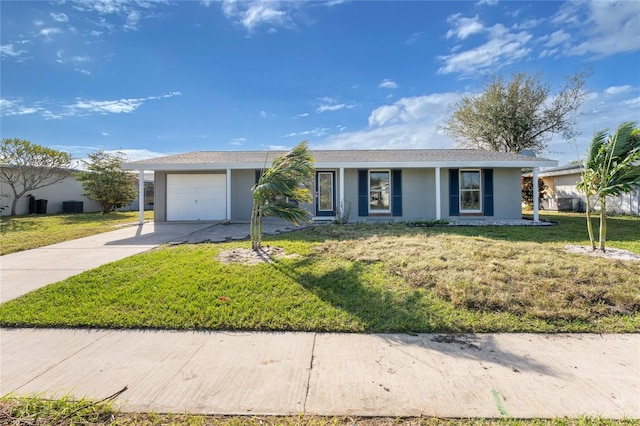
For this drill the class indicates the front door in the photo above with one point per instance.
(325, 193)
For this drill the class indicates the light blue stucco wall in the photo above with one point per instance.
(418, 194)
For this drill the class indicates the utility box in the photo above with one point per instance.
(41, 206)
(570, 205)
(72, 207)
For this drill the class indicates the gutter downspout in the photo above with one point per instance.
(341, 195)
(438, 206)
(535, 195)
(141, 198)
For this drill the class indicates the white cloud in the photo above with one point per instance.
(503, 48)
(413, 38)
(412, 108)
(527, 24)
(252, 14)
(104, 134)
(48, 32)
(238, 141)
(10, 108)
(9, 51)
(605, 110)
(616, 90)
(103, 107)
(555, 38)
(80, 70)
(408, 123)
(81, 107)
(334, 107)
(130, 11)
(464, 27)
(605, 27)
(331, 104)
(388, 84)
(302, 115)
(132, 20)
(263, 114)
(112, 107)
(48, 115)
(487, 3)
(318, 131)
(59, 17)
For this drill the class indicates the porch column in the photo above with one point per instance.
(141, 197)
(438, 207)
(341, 190)
(535, 195)
(228, 194)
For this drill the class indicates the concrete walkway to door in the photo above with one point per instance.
(28, 270)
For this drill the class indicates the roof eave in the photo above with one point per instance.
(351, 165)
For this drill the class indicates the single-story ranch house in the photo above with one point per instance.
(561, 192)
(426, 184)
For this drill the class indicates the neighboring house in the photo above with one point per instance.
(373, 184)
(67, 190)
(562, 194)
(148, 194)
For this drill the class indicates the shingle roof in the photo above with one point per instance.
(346, 158)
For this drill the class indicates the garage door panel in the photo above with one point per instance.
(196, 197)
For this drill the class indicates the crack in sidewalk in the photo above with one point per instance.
(306, 396)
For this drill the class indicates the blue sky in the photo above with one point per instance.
(156, 78)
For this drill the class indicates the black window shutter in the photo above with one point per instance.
(258, 173)
(396, 192)
(363, 192)
(454, 193)
(487, 184)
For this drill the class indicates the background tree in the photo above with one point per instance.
(106, 182)
(519, 114)
(280, 189)
(527, 190)
(26, 166)
(610, 169)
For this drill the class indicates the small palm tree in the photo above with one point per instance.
(611, 169)
(280, 189)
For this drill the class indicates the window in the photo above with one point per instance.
(379, 191)
(470, 192)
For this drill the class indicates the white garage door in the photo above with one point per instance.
(196, 197)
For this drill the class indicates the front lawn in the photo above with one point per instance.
(28, 232)
(361, 278)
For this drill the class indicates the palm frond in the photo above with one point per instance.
(286, 211)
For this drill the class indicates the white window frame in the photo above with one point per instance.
(479, 190)
(388, 171)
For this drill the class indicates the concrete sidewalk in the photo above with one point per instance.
(486, 375)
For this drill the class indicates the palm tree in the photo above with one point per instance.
(280, 189)
(611, 169)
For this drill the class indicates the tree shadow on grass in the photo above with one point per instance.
(397, 318)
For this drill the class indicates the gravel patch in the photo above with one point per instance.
(610, 253)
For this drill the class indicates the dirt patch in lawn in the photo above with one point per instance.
(254, 257)
(610, 253)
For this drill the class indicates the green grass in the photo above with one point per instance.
(32, 410)
(27, 232)
(361, 278)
